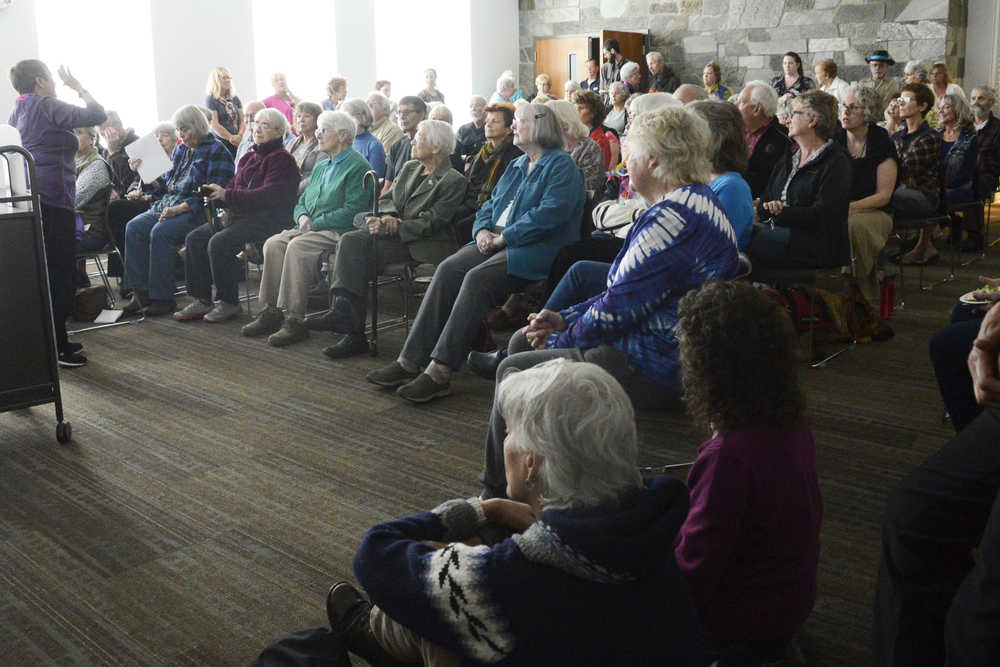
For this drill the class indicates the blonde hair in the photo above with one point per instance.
(678, 139)
(213, 87)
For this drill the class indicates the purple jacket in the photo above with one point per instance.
(46, 125)
(266, 184)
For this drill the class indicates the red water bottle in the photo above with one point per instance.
(887, 298)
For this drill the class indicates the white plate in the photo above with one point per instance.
(969, 300)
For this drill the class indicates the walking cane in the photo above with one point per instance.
(373, 283)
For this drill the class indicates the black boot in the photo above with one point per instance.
(348, 613)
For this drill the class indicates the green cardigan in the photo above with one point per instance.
(333, 206)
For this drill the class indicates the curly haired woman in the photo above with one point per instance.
(750, 545)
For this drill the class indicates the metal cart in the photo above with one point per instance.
(29, 370)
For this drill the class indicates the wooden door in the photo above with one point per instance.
(562, 58)
(633, 46)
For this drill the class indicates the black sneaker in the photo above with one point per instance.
(70, 359)
(74, 347)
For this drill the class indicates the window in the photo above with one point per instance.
(73, 34)
(308, 60)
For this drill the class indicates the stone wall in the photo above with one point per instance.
(748, 37)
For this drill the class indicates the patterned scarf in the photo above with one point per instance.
(83, 160)
(489, 158)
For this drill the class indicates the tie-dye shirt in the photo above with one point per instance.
(679, 243)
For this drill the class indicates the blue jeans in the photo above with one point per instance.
(583, 281)
(150, 245)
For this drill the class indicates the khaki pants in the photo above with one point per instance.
(406, 646)
(868, 231)
(290, 268)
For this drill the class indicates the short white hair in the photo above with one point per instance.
(505, 81)
(918, 68)
(568, 114)
(440, 112)
(274, 118)
(571, 86)
(678, 138)
(628, 69)
(357, 106)
(615, 85)
(763, 94)
(478, 99)
(191, 116)
(338, 121)
(655, 56)
(439, 134)
(652, 102)
(379, 100)
(588, 447)
(166, 127)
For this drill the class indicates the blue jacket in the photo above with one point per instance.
(545, 217)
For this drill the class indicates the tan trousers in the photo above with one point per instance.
(406, 646)
(868, 230)
(291, 267)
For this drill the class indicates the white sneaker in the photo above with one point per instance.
(223, 311)
(193, 311)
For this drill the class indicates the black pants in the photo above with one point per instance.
(212, 257)
(934, 604)
(120, 211)
(950, 349)
(59, 232)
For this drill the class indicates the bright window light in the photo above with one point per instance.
(72, 33)
(309, 60)
(412, 36)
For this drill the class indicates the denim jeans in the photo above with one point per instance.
(150, 245)
(581, 282)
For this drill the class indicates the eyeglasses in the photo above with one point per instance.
(906, 100)
(406, 112)
(263, 125)
(323, 130)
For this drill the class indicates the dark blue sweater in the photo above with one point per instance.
(596, 586)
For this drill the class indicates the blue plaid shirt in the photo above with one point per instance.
(209, 162)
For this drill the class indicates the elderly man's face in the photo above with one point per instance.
(655, 66)
(981, 103)
(477, 109)
(409, 118)
(878, 69)
(377, 112)
(748, 110)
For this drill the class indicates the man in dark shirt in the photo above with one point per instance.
(117, 138)
(593, 80)
(471, 136)
(661, 78)
(412, 110)
(982, 101)
(611, 70)
(766, 144)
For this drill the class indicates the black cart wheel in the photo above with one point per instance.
(64, 432)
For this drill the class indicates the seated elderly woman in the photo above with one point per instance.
(569, 89)
(749, 547)
(259, 201)
(336, 91)
(630, 74)
(959, 158)
(587, 578)
(151, 238)
(729, 161)
(622, 316)
(364, 141)
(323, 213)
(804, 206)
(584, 150)
(617, 114)
(543, 85)
(918, 148)
(93, 188)
(416, 225)
(873, 180)
(517, 234)
(304, 148)
(507, 90)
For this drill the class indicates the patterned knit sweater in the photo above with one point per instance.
(595, 586)
(679, 243)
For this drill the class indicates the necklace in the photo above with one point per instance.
(854, 150)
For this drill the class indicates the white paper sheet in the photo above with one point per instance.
(155, 162)
(108, 316)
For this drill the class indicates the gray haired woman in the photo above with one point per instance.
(618, 95)
(152, 237)
(589, 534)
(305, 147)
(874, 170)
(517, 233)
(364, 141)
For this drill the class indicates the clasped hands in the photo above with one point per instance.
(488, 243)
(541, 326)
(502, 512)
(387, 225)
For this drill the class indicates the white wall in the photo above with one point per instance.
(190, 38)
(494, 34)
(982, 49)
(18, 41)
(354, 21)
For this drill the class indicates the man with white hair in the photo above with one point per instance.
(382, 127)
(766, 143)
(661, 77)
(471, 136)
(438, 111)
(689, 92)
(983, 99)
